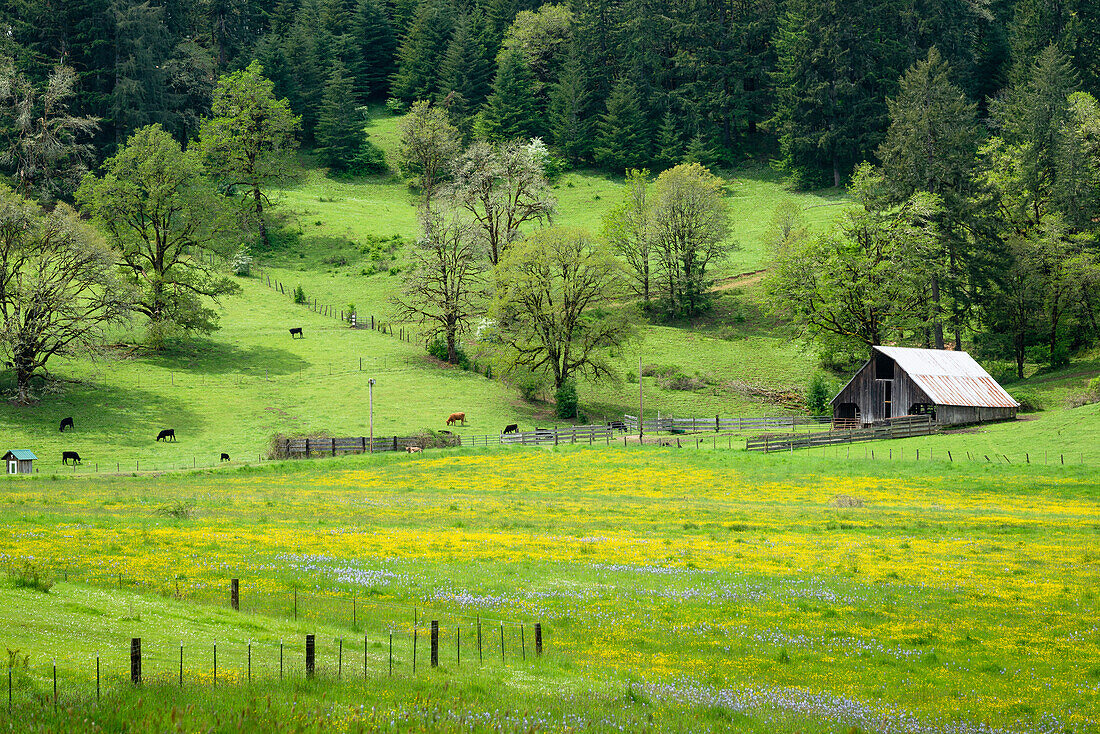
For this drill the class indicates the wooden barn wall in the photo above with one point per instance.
(956, 414)
(870, 394)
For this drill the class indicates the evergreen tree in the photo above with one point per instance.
(417, 75)
(466, 73)
(140, 94)
(622, 138)
(930, 147)
(376, 45)
(670, 141)
(510, 111)
(570, 110)
(305, 48)
(340, 124)
(1071, 25)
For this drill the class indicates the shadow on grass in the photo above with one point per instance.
(211, 357)
(102, 414)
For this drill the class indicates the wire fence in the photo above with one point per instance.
(121, 661)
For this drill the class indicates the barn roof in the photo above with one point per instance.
(950, 378)
(21, 455)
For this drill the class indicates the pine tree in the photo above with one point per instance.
(622, 140)
(373, 35)
(670, 141)
(930, 147)
(340, 124)
(1071, 25)
(466, 73)
(570, 111)
(417, 75)
(140, 94)
(510, 111)
(305, 48)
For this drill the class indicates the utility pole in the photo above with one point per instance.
(370, 393)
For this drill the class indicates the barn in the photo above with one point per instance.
(20, 461)
(896, 381)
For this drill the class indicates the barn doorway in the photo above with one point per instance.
(846, 416)
(13, 467)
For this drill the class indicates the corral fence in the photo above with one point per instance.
(719, 424)
(572, 434)
(901, 427)
(299, 448)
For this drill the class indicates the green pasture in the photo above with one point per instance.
(679, 590)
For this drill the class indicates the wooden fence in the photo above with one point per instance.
(571, 434)
(901, 427)
(297, 448)
(718, 424)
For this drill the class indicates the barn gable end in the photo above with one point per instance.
(898, 381)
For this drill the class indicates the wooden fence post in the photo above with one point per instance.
(435, 643)
(135, 660)
(538, 638)
(235, 594)
(310, 656)
(334, 446)
(502, 642)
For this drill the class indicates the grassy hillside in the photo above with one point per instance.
(680, 590)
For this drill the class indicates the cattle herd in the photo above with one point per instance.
(167, 434)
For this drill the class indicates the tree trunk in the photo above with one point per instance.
(937, 325)
(23, 366)
(258, 198)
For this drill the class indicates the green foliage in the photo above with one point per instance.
(511, 110)
(819, 392)
(299, 295)
(622, 137)
(340, 135)
(159, 210)
(565, 399)
(29, 574)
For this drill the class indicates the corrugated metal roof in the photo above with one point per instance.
(22, 454)
(950, 378)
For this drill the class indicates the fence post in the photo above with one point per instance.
(135, 660)
(480, 656)
(280, 659)
(458, 645)
(502, 642)
(215, 663)
(340, 661)
(435, 643)
(538, 638)
(522, 643)
(414, 647)
(250, 662)
(364, 656)
(295, 605)
(181, 666)
(391, 652)
(334, 446)
(235, 594)
(310, 661)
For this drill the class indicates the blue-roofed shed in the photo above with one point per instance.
(20, 461)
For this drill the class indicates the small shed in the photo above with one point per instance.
(20, 461)
(950, 386)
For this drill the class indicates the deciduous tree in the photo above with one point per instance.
(429, 146)
(171, 228)
(554, 294)
(59, 287)
(250, 137)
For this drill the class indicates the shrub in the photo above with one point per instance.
(299, 294)
(178, 511)
(350, 309)
(30, 575)
(565, 399)
(241, 262)
(1090, 395)
(395, 106)
(818, 394)
(437, 347)
(531, 385)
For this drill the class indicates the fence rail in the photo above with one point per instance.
(306, 447)
(901, 427)
(718, 423)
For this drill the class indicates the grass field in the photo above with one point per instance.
(680, 590)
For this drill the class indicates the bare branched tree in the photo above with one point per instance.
(46, 146)
(503, 187)
(442, 286)
(59, 287)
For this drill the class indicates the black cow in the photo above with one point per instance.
(225, 457)
(446, 433)
(66, 423)
(511, 428)
(296, 331)
(167, 433)
(67, 455)
(617, 426)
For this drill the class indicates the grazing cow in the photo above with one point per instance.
(167, 433)
(67, 455)
(225, 457)
(455, 418)
(511, 428)
(413, 449)
(296, 332)
(66, 423)
(617, 426)
(445, 433)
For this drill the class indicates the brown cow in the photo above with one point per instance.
(455, 418)
(413, 449)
